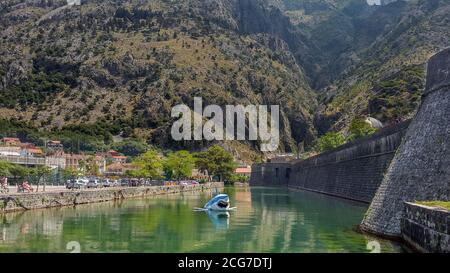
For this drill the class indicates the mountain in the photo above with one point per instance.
(387, 76)
(124, 64)
(129, 62)
(370, 59)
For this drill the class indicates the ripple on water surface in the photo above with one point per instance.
(266, 220)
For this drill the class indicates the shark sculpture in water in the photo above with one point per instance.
(220, 202)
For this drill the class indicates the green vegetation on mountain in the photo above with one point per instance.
(113, 69)
(329, 141)
(359, 128)
(127, 63)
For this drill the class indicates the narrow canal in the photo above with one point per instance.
(266, 220)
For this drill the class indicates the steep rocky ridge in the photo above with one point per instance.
(127, 62)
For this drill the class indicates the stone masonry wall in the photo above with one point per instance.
(353, 171)
(269, 174)
(26, 201)
(421, 167)
(425, 228)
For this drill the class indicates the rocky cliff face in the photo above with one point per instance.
(126, 63)
(383, 75)
(129, 62)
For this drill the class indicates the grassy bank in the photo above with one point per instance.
(437, 204)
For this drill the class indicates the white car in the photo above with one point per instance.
(115, 183)
(76, 184)
(92, 183)
(105, 183)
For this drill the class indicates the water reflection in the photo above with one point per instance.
(266, 220)
(220, 219)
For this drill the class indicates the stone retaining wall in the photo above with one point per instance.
(26, 201)
(420, 169)
(425, 228)
(352, 171)
(270, 174)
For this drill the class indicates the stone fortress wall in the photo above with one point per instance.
(352, 171)
(420, 170)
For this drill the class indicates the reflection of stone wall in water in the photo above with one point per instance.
(421, 168)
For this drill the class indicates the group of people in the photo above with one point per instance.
(4, 185)
(21, 187)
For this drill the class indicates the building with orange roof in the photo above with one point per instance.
(113, 156)
(245, 171)
(73, 161)
(119, 158)
(32, 152)
(10, 141)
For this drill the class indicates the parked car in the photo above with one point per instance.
(157, 182)
(93, 183)
(70, 183)
(115, 183)
(76, 184)
(124, 182)
(105, 183)
(134, 182)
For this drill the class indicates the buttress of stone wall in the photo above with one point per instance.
(421, 168)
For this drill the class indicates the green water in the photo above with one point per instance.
(266, 220)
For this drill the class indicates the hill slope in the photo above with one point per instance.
(126, 63)
(129, 62)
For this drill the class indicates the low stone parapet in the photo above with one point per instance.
(427, 229)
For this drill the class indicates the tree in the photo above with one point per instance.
(132, 147)
(89, 166)
(217, 161)
(71, 172)
(329, 141)
(149, 164)
(360, 128)
(179, 165)
(132, 173)
(19, 172)
(237, 178)
(41, 172)
(5, 168)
